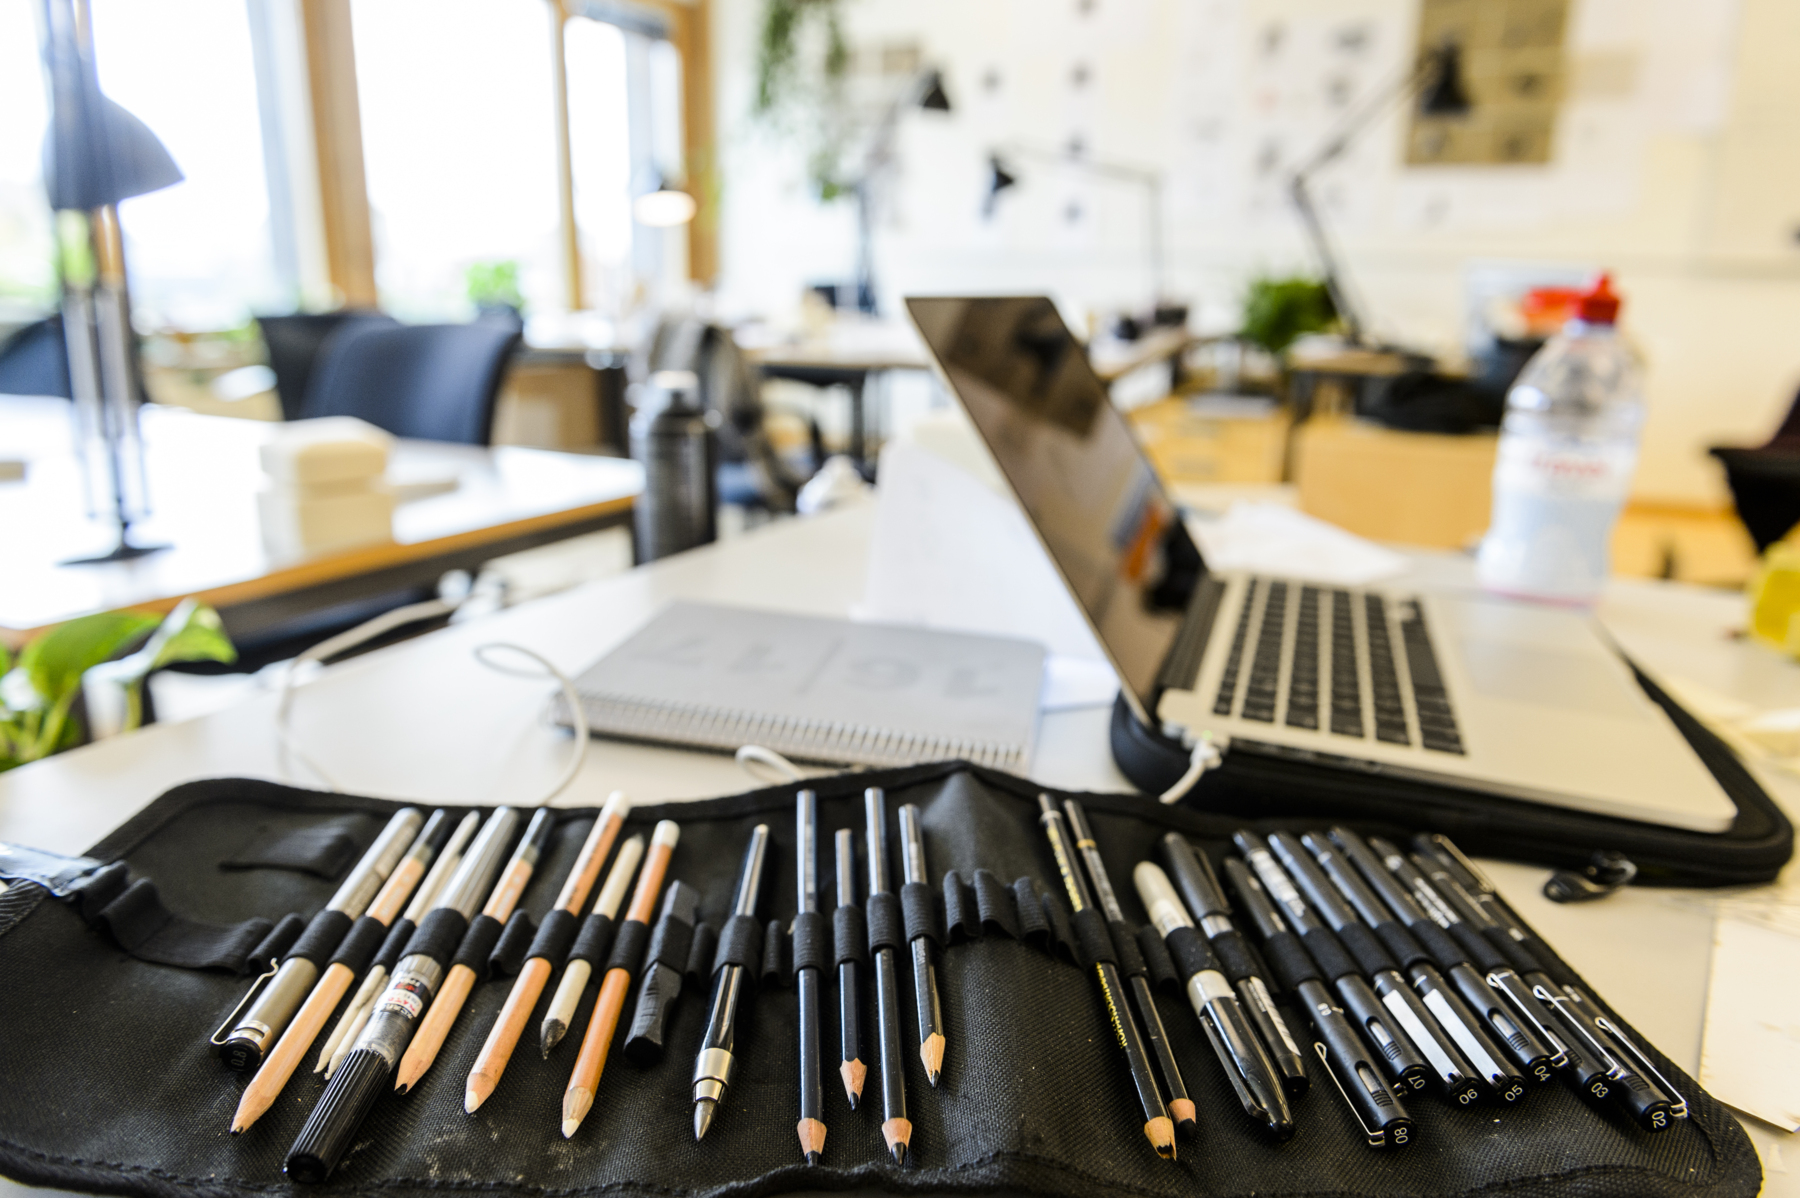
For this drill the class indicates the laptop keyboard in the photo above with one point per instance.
(1287, 650)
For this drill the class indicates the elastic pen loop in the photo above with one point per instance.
(217, 1039)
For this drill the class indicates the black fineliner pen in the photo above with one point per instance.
(1516, 1036)
(1193, 876)
(1572, 1059)
(1631, 1078)
(1347, 1060)
(1397, 1054)
(1343, 898)
(1453, 1015)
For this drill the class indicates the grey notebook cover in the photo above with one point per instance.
(818, 689)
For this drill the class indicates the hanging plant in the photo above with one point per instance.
(802, 60)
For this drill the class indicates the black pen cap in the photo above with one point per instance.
(1193, 875)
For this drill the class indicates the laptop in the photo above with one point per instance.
(1461, 688)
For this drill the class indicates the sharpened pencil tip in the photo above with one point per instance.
(1183, 1112)
(554, 1030)
(853, 1072)
(812, 1158)
(703, 1117)
(1161, 1131)
(570, 1127)
(897, 1133)
(898, 1151)
(931, 1052)
(401, 1087)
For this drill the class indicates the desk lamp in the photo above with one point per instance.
(95, 155)
(1437, 79)
(925, 91)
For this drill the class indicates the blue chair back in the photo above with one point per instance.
(35, 361)
(295, 342)
(434, 382)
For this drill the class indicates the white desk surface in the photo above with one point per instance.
(424, 721)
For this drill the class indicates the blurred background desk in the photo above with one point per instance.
(204, 474)
(844, 355)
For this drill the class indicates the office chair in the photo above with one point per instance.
(295, 341)
(1765, 481)
(35, 361)
(434, 382)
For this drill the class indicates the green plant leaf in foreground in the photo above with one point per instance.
(56, 661)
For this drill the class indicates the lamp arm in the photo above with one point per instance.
(1150, 180)
(1334, 286)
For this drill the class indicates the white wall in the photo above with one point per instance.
(1677, 165)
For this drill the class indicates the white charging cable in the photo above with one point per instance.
(398, 618)
(1205, 756)
(768, 766)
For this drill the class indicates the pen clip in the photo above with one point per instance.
(1498, 980)
(1377, 1136)
(1238, 1075)
(1573, 1019)
(1626, 1043)
(217, 1039)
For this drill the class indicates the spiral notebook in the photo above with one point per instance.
(817, 689)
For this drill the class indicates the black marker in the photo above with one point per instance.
(714, 1064)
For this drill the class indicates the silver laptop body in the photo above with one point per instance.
(1515, 699)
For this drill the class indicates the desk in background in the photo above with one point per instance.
(204, 473)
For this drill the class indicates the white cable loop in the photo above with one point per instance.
(398, 618)
(766, 765)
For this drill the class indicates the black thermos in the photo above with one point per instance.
(677, 443)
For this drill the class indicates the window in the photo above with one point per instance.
(459, 148)
(27, 275)
(199, 253)
(600, 154)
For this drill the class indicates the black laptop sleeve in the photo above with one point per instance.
(1264, 781)
(107, 1085)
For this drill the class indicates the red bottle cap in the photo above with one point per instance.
(1600, 303)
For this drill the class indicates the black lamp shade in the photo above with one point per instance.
(95, 153)
(999, 179)
(934, 98)
(1445, 95)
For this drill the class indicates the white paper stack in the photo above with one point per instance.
(327, 487)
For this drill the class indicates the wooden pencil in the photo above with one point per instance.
(578, 1099)
(510, 1023)
(350, 1023)
(1159, 1129)
(280, 1064)
(448, 1003)
(575, 978)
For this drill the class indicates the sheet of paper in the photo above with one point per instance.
(1750, 1057)
(1269, 538)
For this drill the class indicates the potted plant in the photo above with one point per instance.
(42, 687)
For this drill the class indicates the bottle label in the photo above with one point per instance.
(1564, 469)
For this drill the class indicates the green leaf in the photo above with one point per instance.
(202, 639)
(56, 660)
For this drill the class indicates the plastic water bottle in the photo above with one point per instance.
(1568, 447)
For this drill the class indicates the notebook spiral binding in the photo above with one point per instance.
(802, 739)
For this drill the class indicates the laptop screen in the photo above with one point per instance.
(1077, 470)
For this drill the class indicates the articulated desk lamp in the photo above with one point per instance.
(926, 92)
(1001, 177)
(95, 155)
(1437, 79)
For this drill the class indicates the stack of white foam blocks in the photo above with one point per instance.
(326, 488)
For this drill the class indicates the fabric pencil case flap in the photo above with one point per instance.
(1033, 1099)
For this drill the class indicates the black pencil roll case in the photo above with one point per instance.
(109, 1086)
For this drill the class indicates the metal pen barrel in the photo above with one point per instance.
(256, 1031)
